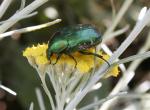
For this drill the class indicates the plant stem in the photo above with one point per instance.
(40, 99)
(132, 58)
(4, 6)
(118, 17)
(102, 101)
(27, 10)
(29, 29)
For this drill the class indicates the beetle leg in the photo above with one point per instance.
(58, 57)
(90, 53)
(50, 59)
(73, 59)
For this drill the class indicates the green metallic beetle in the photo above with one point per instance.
(77, 38)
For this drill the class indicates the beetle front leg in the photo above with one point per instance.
(58, 57)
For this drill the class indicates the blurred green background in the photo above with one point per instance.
(17, 74)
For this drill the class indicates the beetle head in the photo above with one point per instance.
(48, 54)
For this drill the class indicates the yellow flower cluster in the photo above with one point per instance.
(38, 53)
(85, 63)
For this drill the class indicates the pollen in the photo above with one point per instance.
(85, 63)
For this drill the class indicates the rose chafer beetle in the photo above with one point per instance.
(77, 38)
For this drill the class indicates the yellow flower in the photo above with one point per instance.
(85, 63)
(38, 53)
